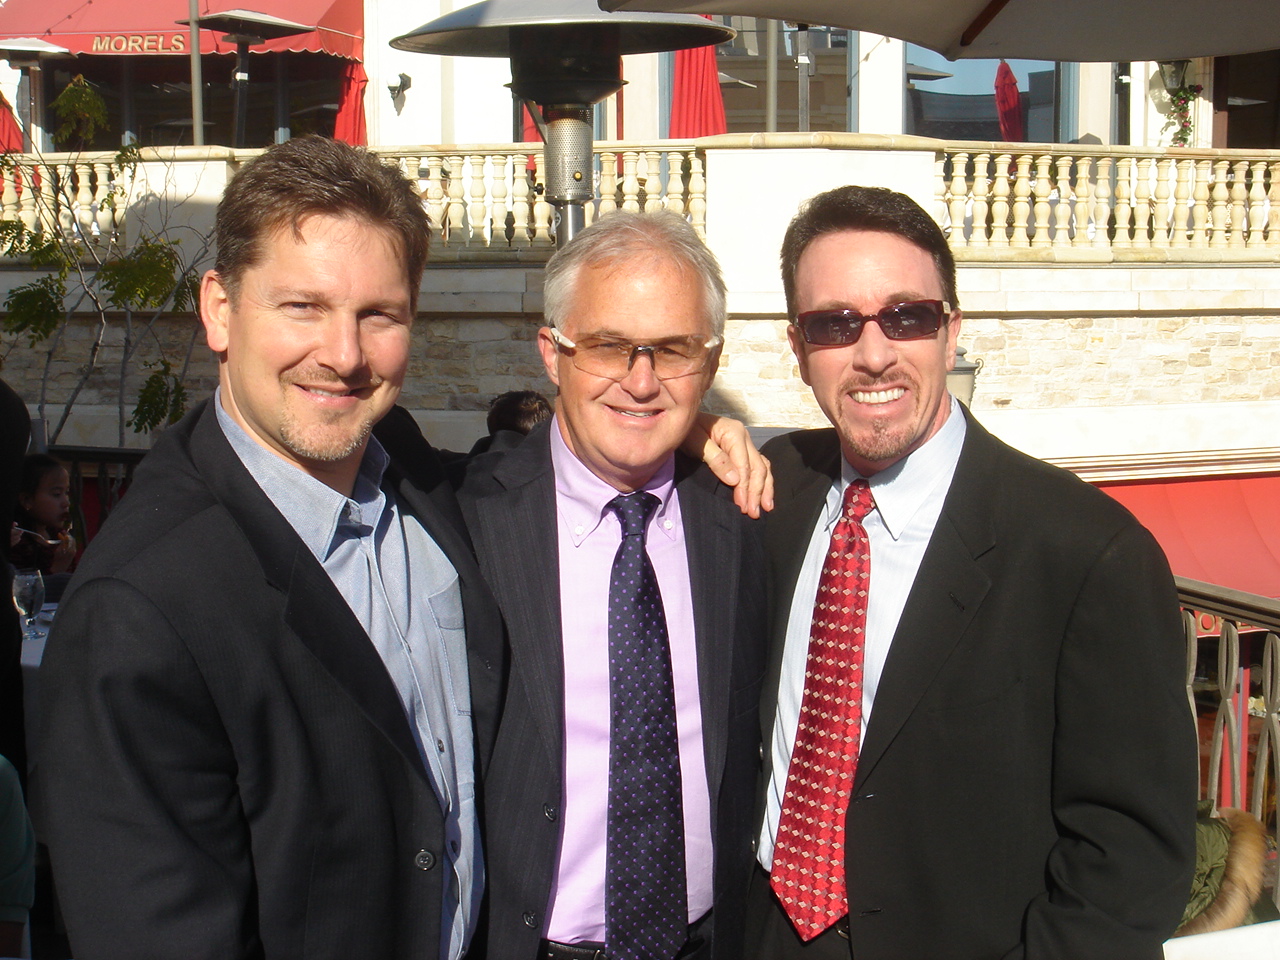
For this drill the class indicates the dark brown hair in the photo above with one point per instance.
(315, 175)
(865, 208)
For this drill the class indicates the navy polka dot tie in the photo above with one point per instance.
(645, 906)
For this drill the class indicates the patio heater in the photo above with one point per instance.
(246, 28)
(565, 57)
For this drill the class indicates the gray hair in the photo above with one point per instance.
(622, 238)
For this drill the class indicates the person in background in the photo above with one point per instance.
(17, 863)
(41, 537)
(511, 416)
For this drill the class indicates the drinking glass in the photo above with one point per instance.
(28, 597)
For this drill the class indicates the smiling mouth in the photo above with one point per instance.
(878, 396)
(637, 414)
(332, 393)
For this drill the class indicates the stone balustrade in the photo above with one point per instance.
(998, 201)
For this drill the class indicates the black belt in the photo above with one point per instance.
(550, 950)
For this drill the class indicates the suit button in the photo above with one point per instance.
(424, 860)
(530, 919)
(549, 812)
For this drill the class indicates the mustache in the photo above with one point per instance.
(323, 376)
(857, 381)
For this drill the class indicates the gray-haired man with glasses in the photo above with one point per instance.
(620, 798)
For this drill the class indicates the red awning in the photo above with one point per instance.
(115, 27)
(1224, 531)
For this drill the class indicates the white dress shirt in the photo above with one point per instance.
(909, 497)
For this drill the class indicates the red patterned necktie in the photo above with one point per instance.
(809, 856)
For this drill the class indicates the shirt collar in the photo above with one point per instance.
(582, 498)
(901, 489)
(315, 510)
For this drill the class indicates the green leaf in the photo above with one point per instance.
(35, 308)
(81, 109)
(162, 399)
(143, 277)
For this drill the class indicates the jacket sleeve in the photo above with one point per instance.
(1124, 769)
(149, 844)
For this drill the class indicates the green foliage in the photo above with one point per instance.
(41, 249)
(141, 278)
(35, 308)
(82, 111)
(161, 401)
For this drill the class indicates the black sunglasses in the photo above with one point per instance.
(899, 321)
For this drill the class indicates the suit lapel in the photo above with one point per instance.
(715, 552)
(523, 564)
(314, 609)
(949, 588)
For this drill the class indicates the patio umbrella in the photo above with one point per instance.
(1008, 104)
(1106, 30)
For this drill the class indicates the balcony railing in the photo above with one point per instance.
(998, 201)
(1233, 650)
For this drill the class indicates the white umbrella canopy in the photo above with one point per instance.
(1105, 30)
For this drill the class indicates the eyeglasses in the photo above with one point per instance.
(672, 358)
(899, 321)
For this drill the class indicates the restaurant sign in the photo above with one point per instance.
(139, 43)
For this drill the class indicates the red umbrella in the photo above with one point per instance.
(1009, 104)
(697, 105)
(10, 132)
(349, 125)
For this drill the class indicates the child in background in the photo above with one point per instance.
(41, 538)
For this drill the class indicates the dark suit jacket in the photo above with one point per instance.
(1027, 783)
(225, 766)
(509, 502)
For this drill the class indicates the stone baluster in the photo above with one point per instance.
(478, 210)
(63, 195)
(501, 166)
(1062, 212)
(675, 200)
(697, 194)
(1257, 205)
(521, 235)
(957, 200)
(1084, 201)
(85, 225)
(28, 202)
(104, 208)
(1239, 194)
(541, 209)
(980, 232)
(1200, 204)
(456, 212)
(608, 183)
(1123, 211)
(434, 197)
(1000, 205)
(1219, 211)
(1182, 197)
(1102, 204)
(9, 191)
(1160, 223)
(1021, 201)
(941, 208)
(654, 200)
(1273, 204)
(1143, 169)
(1042, 190)
(630, 182)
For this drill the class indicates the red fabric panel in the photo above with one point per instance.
(1009, 104)
(10, 132)
(697, 105)
(116, 27)
(349, 126)
(1224, 531)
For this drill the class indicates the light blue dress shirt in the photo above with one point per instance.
(404, 591)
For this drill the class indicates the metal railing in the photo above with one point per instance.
(1233, 648)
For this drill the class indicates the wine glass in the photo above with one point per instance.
(28, 597)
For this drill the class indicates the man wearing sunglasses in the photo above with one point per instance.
(620, 801)
(979, 745)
